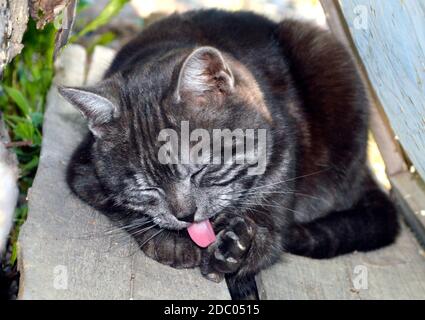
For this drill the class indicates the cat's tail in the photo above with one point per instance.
(372, 223)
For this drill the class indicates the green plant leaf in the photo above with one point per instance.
(14, 254)
(32, 164)
(111, 10)
(24, 131)
(36, 118)
(21, 213)
(36, 141)
(12, 120)
(19, 99)
(82, 4)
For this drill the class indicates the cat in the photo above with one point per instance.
(217, 69)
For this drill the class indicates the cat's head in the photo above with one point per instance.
(130, 112)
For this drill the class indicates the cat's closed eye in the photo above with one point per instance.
(149, 200)
(150, 196)
(198, 174)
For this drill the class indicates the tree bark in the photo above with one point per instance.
(14, 18)
(13, 23)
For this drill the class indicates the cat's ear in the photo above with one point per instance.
(204, 72)
(98, 109)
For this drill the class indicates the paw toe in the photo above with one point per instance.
(214, 276)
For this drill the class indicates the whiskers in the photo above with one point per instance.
(278, 183)
(151, 237)
(262, 199)
(127, 227)
(118, 237)
(263, 207)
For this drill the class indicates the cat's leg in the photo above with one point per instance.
(228, 252)
(243, 247)
(372, 223)
(170, 247)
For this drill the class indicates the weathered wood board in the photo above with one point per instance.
(395, 272)
(409, 191)
(390, 39)
(63, 250)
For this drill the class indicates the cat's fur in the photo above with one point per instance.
(316, 198)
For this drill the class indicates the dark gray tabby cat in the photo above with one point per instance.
(233, 70)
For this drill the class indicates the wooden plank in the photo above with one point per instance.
(379, 124)
(409, 194)
(390, 39)
(64, 252)
(395, 272)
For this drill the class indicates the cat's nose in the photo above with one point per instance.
(188, 216)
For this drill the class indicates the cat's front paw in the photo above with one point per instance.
(228, 252)
(173, 249)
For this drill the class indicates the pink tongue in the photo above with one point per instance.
(202, 233)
